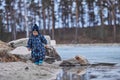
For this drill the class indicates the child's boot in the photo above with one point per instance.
(37, 63)
(40, 62)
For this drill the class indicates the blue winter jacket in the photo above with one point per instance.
(36, 44)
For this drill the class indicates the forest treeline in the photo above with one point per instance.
(64, 20)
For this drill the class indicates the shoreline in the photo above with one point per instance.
(92, 44)
(18, 71)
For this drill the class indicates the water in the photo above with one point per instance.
(94, 54)
(73, 73)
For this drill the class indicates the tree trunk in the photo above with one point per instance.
(44, 23)
(114, 25)
(77, 21)
(53, 20)
(110, 3)
(102, 21)
(20, 14)
(13, 31)
(26, 24)
(109, 18)
(39, 15)
(1, 28)
(7, 20)
(49, 31)
(13, 21)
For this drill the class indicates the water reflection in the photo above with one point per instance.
(74, 73)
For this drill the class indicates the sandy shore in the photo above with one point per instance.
(27, 71)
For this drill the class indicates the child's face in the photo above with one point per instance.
(35, 33)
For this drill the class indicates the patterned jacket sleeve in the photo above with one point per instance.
(29, 43)
(43, 39)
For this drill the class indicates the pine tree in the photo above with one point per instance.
(1, 25)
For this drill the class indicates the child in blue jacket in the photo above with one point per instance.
(37, 44)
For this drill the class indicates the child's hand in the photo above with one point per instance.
(29, 49)
(46, 46)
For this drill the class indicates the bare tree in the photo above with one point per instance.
(13, 20)
(102, 20)
(111, 6)
(1, 25)
(44, 5)
(26, 24)
(111, 3)
(77, 20)
(53, 20)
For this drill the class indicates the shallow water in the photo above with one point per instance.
(73, 73)
(94, 54)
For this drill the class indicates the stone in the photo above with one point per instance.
(81, 60)
(76, 61)
(4, 47)
(23, 53)
(51, 52)
(23, 42)
(49, 60)
(5, 57)
(18, 42)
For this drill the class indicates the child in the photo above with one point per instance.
(37, 44)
